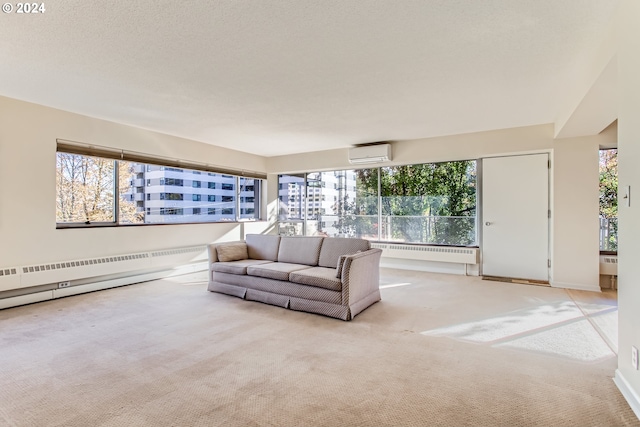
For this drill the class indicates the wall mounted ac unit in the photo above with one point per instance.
(370, 154)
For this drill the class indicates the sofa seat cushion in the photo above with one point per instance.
(321, 277)
(275, 270)
(236, 267)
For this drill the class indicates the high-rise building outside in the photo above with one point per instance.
(173, 195)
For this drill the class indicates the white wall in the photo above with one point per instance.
(446, 148)
(627, 378)
(575, 211)
(28, 134)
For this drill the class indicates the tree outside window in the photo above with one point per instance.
(609, 200)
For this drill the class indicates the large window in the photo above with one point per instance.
(609, 200)
(426, 203)
(97, 191)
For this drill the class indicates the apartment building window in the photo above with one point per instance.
(171, 211)
(97, 190)
(171, 196)
(172, 181)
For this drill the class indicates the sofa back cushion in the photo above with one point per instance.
(263, 246)
(333, 247)
(300, 250)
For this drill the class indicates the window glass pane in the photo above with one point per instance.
(609, 200)
(291, 197)
(365, 220)
(166, 202)
(134, 198)
(343, 203)
(291, 200)
(84, 189)
(225, 204)
(249, 198)
(429, 203)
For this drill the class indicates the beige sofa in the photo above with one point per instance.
(336, 277)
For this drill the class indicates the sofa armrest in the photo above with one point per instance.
(360, 275)
(213, 253)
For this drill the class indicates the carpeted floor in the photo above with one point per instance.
(439, 350)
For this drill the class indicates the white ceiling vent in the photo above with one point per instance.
(376, 153)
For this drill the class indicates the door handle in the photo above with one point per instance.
(487, 223)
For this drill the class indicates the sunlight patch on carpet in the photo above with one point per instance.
(559, 329)
(394, 285)
(510, 324)
(575, 340)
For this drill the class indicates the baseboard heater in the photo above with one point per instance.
(101, 283)
(19, 277)
(609, 265)
(428, 253)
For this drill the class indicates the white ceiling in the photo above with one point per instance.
(277, 77)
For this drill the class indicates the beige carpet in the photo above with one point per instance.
(438, 350)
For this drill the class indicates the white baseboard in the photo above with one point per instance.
(629, 394)
(100, 285)
(576, 286)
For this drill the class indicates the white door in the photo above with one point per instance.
(515, 217)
